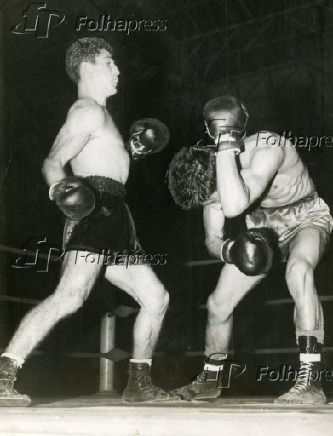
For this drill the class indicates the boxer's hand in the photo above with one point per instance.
(147, 136)
(73, 197)
(251, 252)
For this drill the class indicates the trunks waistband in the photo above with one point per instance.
(107, 185)
(312, 196)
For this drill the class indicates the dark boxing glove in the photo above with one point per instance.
(225, 119)
(147, 136)
(251, 252)
(73, 197)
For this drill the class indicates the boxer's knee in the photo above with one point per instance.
(156, 303)
(219, 308)
(299, 277)
(69, 297)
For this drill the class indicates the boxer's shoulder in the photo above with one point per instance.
(86, 114)
(264, 138)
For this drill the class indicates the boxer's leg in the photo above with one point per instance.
(74, 287)
(231, 288)
(75, 284)
(142, 284)
(306, 251)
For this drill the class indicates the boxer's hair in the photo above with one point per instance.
(83, 50)
(192, 177)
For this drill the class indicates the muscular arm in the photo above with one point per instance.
(214, 223)
(239, 189)
(82, 120)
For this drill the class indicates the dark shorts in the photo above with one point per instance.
(287, 221)
(109, 228)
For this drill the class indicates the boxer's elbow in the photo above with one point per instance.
(236, 202)
(51, 170)
(235, 208)
(233, 212)
(213, 245)
(47, 167)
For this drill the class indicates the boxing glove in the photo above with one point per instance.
(147, 136)
(73, 197)
(251, 252)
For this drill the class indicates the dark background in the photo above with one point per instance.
(276, 56)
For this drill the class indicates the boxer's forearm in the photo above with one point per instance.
(233, 193)
(52, 171)
(213, 246)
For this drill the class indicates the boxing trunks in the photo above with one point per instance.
(286, 221)
(109, 228)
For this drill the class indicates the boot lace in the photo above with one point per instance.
(303, 377)
(7, 376)
(201, 378)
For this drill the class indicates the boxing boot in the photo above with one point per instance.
(307, 389)
(140, 387)
(206, 385)
(9, 397)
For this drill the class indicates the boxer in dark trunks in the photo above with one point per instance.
(98, 218)
(271, 186)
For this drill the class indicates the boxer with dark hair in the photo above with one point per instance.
(97, 219)
(192, 177)
(255, 171)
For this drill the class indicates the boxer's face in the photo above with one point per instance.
(105, 72)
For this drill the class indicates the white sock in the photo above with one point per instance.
(210, 367)
(19, 361)
(149, 361)
(310, 357)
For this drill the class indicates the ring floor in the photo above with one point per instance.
(102, 415)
